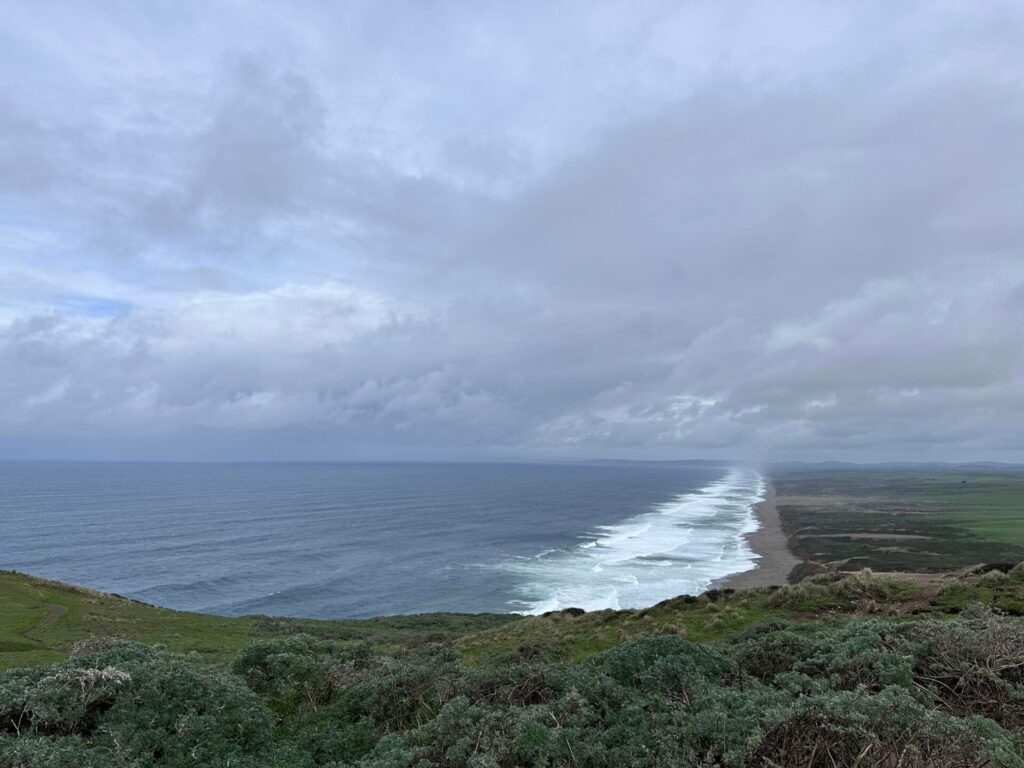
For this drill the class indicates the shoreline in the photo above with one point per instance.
(769, 544)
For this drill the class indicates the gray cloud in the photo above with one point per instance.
(667, 232)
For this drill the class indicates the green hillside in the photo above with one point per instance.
(832, 671)
(41, 620)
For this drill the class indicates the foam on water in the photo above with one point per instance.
(358, 540)
(680, 547)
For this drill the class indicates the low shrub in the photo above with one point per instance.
(888, 729)
(848, 691)
(132, 703)
(826, 592)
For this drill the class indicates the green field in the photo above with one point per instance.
(988, 504)
(928, 520)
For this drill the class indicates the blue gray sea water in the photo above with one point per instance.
(356, 540)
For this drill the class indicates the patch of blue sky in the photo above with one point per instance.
(94, 306)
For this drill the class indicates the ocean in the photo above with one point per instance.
(358, 540)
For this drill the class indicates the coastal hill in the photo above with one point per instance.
(916, 663)
(835, 670)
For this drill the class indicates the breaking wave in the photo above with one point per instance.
(680, 547)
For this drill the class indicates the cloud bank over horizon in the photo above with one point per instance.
(455, 230)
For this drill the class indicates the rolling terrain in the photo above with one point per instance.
(913, 665)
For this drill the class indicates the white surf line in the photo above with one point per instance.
(679, 547)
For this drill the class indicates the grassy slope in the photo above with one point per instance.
(33, 630)
(575, 637)
(40, 620)
(715, 614)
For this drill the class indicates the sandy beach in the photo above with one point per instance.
(770, 543)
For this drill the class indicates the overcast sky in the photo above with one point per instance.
(424, 230)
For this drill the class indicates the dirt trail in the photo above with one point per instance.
(53, 613)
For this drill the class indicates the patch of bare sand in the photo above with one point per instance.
(775, 561)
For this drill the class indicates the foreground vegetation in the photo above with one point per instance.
(860, 670)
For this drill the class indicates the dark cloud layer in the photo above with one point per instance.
(672, 231)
